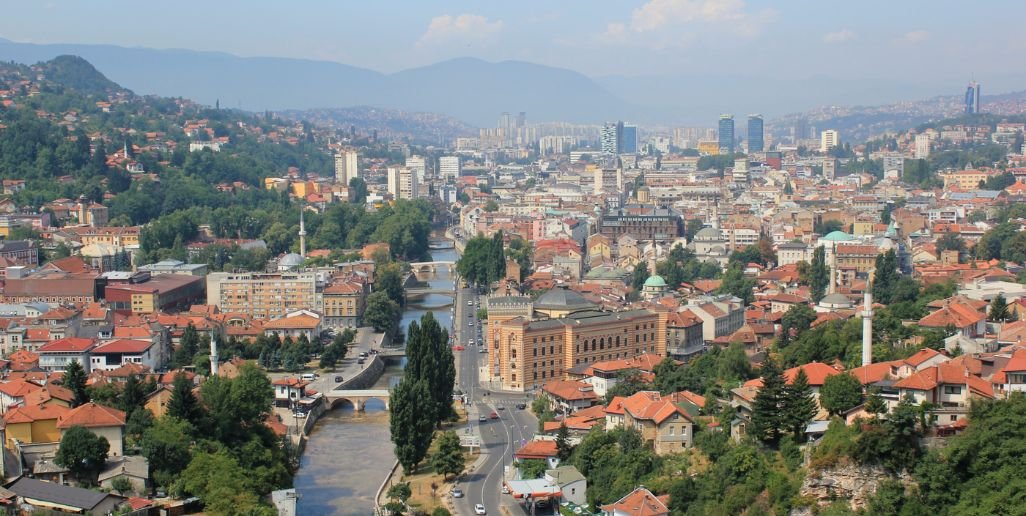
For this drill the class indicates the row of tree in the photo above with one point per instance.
(484, 260)
(424, 396)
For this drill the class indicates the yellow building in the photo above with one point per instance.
(710, 148)
(33, 424)
(532, 343)
(966, 179)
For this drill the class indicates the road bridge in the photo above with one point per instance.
(433, 266)
(358, 398)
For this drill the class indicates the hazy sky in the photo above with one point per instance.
(902, 39)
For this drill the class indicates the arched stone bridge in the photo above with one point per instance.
(358, 398)
(433, 266)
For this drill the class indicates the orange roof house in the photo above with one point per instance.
(639, 502)
(32, 424)
(103, 421)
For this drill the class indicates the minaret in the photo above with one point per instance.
(833, 273)
(302, 234)
(867, 327)
(213, 355)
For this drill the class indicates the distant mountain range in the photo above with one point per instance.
(476, 91)
(472, 90)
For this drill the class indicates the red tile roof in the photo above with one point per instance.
(28, 414)
(954, 314)
(92, 415)
(68, 345)
(538, 449)
(570, 390)
(640, 502)
(123, 346)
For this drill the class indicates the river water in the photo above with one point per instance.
(349, 453)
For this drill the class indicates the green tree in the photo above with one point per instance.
(223, 484)
(139, 420)
(188, 346)
(998, 309)
(166, 445)
(358, 189)
(692, 227)
(885, 277)
(563, 446)
(799, 406)
(237, 405)
(389, 279)
(448, 460)
(83, 453)
(840, 393)
(819, 274)
(795, 321)
(133, 394)
(183, 404)
(382, 313)
(736, 284)
(768, 416)
(75, 381)
(639, 276)
(411, 422)
(532, 468)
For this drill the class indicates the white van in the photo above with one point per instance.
(309, 377)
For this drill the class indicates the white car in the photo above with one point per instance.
(479, 509)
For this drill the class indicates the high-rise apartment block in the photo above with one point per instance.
(922, 148)
(756, 135)
(262, 295)
(449, 167)
(403, 183)
(609, 139)
(419, 166)
(829, 139)
(347, 166)
(725, 134)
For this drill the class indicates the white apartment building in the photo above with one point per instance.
(403, 183)
(418, 165)
(827, 139)
(449, 167)
(922, 146)
(347, 166)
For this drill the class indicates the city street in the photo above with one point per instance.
(501, 436)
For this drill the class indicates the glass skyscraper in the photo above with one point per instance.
(629, 140)
(725, 134)
(756, 142)
(972, 98)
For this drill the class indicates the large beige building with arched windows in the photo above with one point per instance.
(530, 343)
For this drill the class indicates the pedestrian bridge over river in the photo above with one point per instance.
(357, 398)
(433, 266)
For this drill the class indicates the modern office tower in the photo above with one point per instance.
(756, 138)
(725, 135)
(829, 138)
(922, 146)
(403, 183)
(449, 167)
(629, 140)
(972, 98)
(419, 166)
(609, 139)
(346, 166)
(800, 131)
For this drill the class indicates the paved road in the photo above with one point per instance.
(500, 437)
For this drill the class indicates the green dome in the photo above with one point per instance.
(838, 236)
(655, 281)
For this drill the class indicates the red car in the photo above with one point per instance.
(458, 348)
(494, 415)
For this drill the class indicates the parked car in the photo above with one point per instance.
(479, 509)
(482, 350)
(338, 379)
(457, 492)
(505, 489)
(360, 361)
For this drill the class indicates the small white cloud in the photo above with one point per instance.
(839, 36)
(916, 36)
(465, 28)
(658, 13)
(615, 31)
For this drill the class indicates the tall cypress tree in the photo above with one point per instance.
(767, 417)
(819, 274)
(799, 406)
(885, 277)
(183, 403)
(411, 429)
(496, 258)
(75, 381)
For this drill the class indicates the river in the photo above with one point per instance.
(349, 453)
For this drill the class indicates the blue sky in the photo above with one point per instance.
(901, 39)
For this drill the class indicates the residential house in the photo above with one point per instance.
(663, 424)
(48, 496)
(571, 482)
(639, 502)
(948, 387)
(103, 421)
(569, 396)
(13, 392)
(56, 355)
(539, 449)
(156, 401)
(288, 391)
(685, 338)
(720, 315)
(32, 425)
(1012, 377)
(117, 353)
(134, 468)
(962, 318)
(295, 324)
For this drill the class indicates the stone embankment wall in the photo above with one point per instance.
(845, 481)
